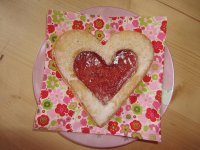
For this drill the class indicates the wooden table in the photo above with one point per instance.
(22, 29)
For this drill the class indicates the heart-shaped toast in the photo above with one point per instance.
(103, 76)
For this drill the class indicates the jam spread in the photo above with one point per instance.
(105, 80)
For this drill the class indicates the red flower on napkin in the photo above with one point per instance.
(69, 93)
(49, 54)
(69, 128)
(61, 109)
(51, 28)
(43, 120)
(138, 30)
(98, 23)
(77, 25)
(135, 125)
(85, 130)
(158, 95)
(157, 45)
(113, 127)
(164, 26)
(133, 99)
(44, 94)
(152, 114)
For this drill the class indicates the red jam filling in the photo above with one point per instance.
(105, 80)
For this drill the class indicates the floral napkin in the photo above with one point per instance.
(139, 118)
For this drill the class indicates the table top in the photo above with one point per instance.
(22, 26)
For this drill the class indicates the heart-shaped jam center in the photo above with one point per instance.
(105, 80)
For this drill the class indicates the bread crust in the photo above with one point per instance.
(71, 43)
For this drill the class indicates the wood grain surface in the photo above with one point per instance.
(22, 30)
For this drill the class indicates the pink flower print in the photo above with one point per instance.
(44, 77)
(61, 122)
(161, 77)
(62, 83)
(49, 21)
(51, 113)
(67, 100)
(142, 118)
(47, 71)
(129, 26)
(162, 56)
(76, 126)
(114, 25)
(154, 127)
(107, 34)
(120, 22)
(83, 122)
(56, 95)
(71, 15)
(68, 119)
(158, 58)
(161, 36)
(158, 18)
(151, 32)
(145, 100)
(84, 114)
(156, 104)
(128, 107)
(61, 28)
(154, 85)
(44, 85)
(135, 23)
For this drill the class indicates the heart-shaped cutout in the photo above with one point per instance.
(104, 80)
(73, 43)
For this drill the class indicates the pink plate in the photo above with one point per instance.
(105, 141)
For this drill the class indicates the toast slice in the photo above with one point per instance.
(72, 43)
